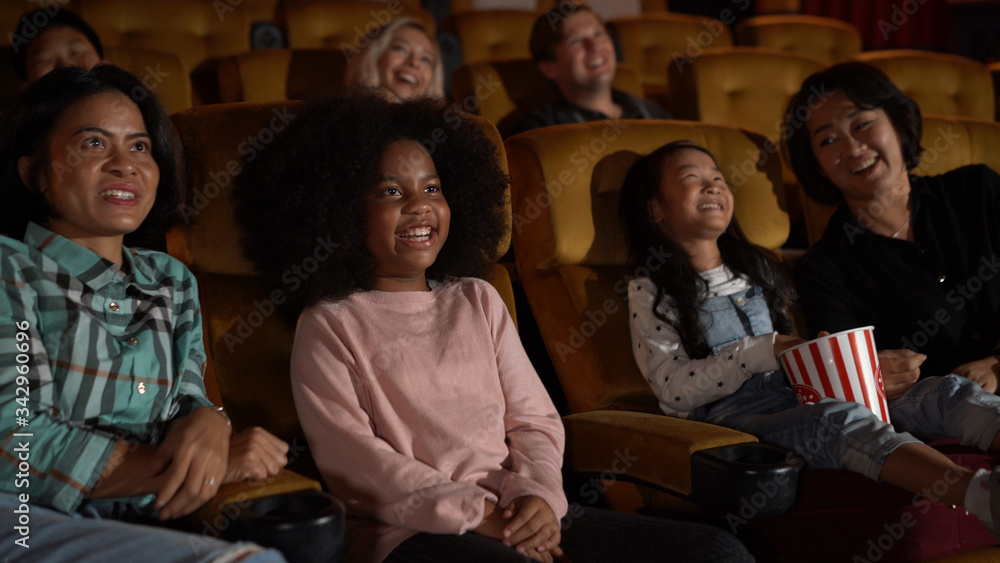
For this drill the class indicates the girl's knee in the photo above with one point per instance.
(836, 416)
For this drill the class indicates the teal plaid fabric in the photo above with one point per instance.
(114, 354)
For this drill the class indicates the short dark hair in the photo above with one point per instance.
(869, 88)
(36, 22)
(310, 188)
(546, 33)
(26, 130)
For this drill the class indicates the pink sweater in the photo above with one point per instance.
(418, 406)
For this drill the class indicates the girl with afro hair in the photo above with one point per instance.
(421, 409)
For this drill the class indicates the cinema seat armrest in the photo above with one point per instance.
(210, 519)
(652, 448)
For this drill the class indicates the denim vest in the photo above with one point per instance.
(728, 318)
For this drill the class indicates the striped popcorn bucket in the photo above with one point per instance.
(840, 366)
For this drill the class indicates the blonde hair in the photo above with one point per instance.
(363, 66)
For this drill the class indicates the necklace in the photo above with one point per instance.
(901, 227)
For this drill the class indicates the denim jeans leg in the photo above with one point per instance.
(948, 407)
(830, 434)
(54, 536)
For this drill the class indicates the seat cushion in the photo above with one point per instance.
(961, 87)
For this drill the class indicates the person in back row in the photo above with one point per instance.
(50, 38)
(403, 59)
(572, 48)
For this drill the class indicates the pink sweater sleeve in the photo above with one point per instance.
(534, 429)
(363, 470)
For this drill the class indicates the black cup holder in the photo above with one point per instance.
(306, 526)
(749, 480)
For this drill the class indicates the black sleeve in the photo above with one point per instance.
(823, 294)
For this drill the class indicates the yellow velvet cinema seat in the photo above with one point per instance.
(503, 92)
(745, 87)
(161, 72)
(490, 35)
(941, 84)
(651, 42)
(245, 342)
(948, 142)
(828, 39)
(571, 258)
(994, 69)
(194, 30)
(259, 10)
(249, 345)
(269, 75)
(344, 24)
(778, 6)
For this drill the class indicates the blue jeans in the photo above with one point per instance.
(88, 535)
(835, 434)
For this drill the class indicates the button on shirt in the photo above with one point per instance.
(110, 356)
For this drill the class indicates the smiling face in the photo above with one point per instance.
(585, 57)
(857, 149)
(58, 47)
(407, 217)
(693, 201)
(100, 180)
(407, 65)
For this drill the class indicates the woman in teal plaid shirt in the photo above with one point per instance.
(103, 413)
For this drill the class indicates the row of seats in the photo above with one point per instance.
(202, 38)
(571, 260)
(747, 87)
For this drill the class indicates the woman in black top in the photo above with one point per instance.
(917, 257)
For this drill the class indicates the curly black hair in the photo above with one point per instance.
(304, 197)
(678, 279)
(869, 88)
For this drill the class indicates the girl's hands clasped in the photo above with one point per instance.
(528, 525)
(533, 527)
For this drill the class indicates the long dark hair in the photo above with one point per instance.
(677, 279)
(26, 130)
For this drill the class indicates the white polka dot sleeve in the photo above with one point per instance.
(683, 384)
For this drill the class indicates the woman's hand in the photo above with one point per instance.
(900, 371)
(255, 454)
(985, 372)
(532, 527)
(193, 459)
